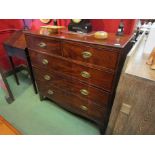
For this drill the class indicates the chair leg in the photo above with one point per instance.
(14, 71)
(31, 72)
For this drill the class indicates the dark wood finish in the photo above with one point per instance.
(17, 40)
(45, 45)
(13, 69)
(83, 84)
(16, 47)
(73, 102)
(73, 86)
(30, 70)
(86, 38)
(102, 79)
(9, 96)
(100, 56)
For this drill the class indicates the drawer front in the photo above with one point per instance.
(44, 45)
(72, 86)
(98, 78)
(73, 103)
(97, 56)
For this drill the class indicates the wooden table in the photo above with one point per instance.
(16, 47)
(6, 128)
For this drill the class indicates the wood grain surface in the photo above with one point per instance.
(73, 86)
(139, 95)
(133, 111)
(102, 79)
(17, 40)
(112, 41)
(6, 128)
(77, 71)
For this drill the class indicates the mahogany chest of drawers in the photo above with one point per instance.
(78, 72)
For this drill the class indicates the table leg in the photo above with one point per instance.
(30, 71)
(9, 97)
(14, 71)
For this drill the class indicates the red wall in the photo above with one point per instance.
(7, 27)
(11, 24)
(109, 25)
(36, 23)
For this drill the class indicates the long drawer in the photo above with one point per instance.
(99, 78)
(93, 55)
(72, 86)
(73, 103)
(46, 45)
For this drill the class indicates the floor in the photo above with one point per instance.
(6, 128)
(33, 117)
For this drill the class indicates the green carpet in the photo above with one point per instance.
(33, 117)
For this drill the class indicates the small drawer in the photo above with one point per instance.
(99, 78)
(51, 46)
(73, 103)
(103, 57)
(72, 86)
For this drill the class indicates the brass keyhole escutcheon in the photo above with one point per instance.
(47, 77)
(84, 92)
(45, 61)
(83, 107)
(86, 54)
(85, 74)
(42, 45)
(50, 92)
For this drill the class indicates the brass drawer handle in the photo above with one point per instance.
(42, 45)
(45, 61)
(86, 54)
(85, 74)
(83, 107)
(84, 92)
(50, 92)
(47, 77)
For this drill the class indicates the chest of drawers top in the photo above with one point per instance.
(113, 41)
